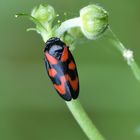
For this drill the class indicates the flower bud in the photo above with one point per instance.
(94, 21)
(44, 13)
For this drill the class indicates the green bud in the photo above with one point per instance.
(44, 13)
(43, 17)
(94, 21)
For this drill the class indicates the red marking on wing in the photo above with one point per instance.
(61, 88)
(52, 72)
(64, 56)
(73, 83)
(51, 59)
(72, 65)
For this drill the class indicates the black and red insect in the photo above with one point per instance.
(61, 68)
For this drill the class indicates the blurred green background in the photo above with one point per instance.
(30, 109)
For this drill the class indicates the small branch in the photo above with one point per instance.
(66, 25)
(135, 69)
(127, 54)
(83, 120)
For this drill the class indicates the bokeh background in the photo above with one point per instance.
(30, 109)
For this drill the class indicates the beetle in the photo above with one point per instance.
(61, 68)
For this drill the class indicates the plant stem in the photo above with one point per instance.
(83, 120)
(126, 53)
(66, 25)
(74, 106)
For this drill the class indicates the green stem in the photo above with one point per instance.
(68, 24)
(126, 53)
(74, 106)
(83, 120)
(135, 69)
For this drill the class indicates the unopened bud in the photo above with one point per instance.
(43, 13)
(94, 21)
